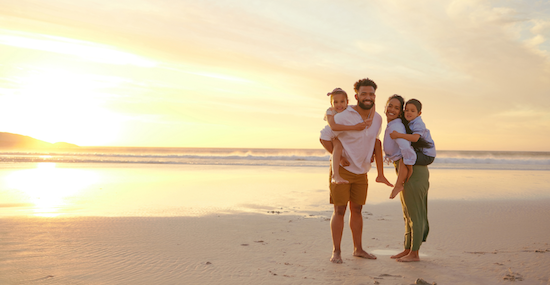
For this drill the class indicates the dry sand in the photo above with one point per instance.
(482, 242)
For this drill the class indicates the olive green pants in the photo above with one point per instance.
(414, 201)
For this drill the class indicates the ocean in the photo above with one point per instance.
(137, 181)
(498, 160)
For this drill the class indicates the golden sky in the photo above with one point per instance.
(181, 73)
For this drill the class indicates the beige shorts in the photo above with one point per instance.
(355, 190)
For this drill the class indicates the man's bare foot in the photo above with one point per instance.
(383, 180)
(408, 258)
(336, 257)
(363, 254)
(396, 190)
(338, 180)
(401, 254)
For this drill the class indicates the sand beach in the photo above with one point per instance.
(189, 224)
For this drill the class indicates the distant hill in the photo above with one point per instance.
(9, 140)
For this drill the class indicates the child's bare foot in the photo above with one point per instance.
(396, 190)
(401, 254)
(363, 254)
(338, 180)
(336, 257)
(383, 180)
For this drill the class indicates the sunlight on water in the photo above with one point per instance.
(144, 190)
(47, 187)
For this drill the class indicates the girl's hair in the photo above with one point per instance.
(421, 143)
(337, 91)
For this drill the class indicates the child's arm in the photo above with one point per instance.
(409, 137)
(337, 127)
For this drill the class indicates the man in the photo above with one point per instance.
(358, 149)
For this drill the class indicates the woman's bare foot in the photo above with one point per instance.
(401, 254)
(409, 258)
(336, 257)
(383, 180)
(363, 254)
(396, 190)
(338, 180)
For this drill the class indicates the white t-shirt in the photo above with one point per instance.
(358, 145)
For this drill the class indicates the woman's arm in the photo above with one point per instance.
(409, 137)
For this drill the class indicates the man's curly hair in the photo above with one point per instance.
(363, 82)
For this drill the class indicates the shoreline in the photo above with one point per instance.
(470, 242)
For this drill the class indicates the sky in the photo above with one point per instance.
(179, 73)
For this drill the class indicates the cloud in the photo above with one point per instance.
(85, 50)
(467, 60)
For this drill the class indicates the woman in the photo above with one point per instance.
(414, 197)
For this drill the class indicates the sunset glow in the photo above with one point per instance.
(201, 74)
(47, 188)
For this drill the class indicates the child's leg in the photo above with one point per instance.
(422, 159)
(402, 174)
(380, 164)
(336, 155)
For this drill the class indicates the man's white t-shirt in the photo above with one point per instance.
(358, 145)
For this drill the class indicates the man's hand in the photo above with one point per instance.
(395, 135)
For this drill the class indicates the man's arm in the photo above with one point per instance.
(327, 145)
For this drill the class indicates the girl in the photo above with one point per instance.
(339, 102)
(420, 138)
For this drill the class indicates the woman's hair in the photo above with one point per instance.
(337, 91)
(421, 143)
(401, 101)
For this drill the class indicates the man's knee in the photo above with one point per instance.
(355, 208)
(340, 210)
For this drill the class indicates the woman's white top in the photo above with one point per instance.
(398, 148)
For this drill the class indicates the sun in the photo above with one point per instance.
(61, 105)
(65, 89)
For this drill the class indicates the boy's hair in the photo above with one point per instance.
(364, 82)
(337, 91)
(416, 103)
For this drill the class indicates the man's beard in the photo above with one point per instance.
(365, 107)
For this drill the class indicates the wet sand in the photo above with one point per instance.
(275, 232)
